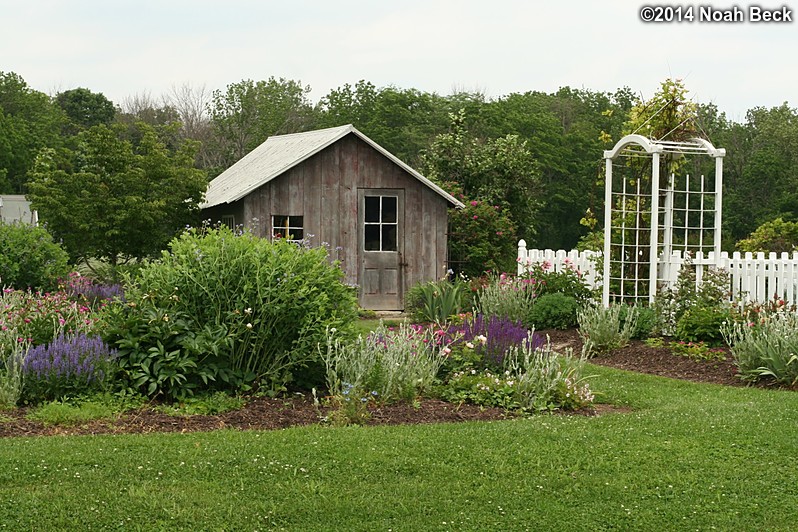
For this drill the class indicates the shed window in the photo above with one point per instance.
(288, 227)
(380, 223)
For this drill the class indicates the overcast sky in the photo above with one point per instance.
(122, 48)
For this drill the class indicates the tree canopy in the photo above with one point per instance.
(537, 155)
(112, 199)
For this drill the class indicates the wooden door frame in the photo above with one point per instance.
(400, 194)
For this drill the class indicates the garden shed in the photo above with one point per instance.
(385, 222)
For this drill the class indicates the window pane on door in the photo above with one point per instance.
(372, 237)
(372, 213)
(388, 209)
(389, 238)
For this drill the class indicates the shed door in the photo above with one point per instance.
(381, 237)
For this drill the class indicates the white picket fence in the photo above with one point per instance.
(754, 277)
(583, 261)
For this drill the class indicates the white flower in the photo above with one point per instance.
(482, 339)
(248, 311)
(249, 325)
(469, 345)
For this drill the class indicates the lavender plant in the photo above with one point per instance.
(69, 365)
(489, 337)
(83, 289)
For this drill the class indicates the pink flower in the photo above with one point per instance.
(475, 217)
(474, 203)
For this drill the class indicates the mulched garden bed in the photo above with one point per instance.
(262, 413)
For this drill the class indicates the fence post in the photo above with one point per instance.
(521, 261)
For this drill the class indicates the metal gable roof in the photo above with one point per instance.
(281, 153)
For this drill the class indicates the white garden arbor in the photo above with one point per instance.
(654, 206)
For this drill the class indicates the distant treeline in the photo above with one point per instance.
(545, 148)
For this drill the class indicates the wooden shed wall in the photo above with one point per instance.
(324, 190)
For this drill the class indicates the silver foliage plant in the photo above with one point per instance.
(767, 347)
(547, 380)
(390, 364)
(602, 329)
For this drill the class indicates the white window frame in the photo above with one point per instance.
(294, 222)
(380, 224)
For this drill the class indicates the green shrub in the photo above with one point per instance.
(83, 409)
(252, 309)
(553, 311)
(29, 258)
(702, 324)
(602, 328)
(204, 405)
(161, 353)
(712, 293)
(697, 351)
(645, 323)
(482, 237)
(568, 281)
(777, 236)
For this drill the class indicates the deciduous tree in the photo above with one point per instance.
(115, 200)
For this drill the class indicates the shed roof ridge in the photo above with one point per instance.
(280, 155)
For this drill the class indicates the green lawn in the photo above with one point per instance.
(687, 457)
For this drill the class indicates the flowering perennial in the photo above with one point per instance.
(69, 364)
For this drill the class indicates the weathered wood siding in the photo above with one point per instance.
(324, 190)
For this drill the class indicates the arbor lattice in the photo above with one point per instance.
(687, 211)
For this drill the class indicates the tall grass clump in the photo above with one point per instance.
(506, 296)
(250, 310)
(605, 329)
(390, 364)
(765, 348)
